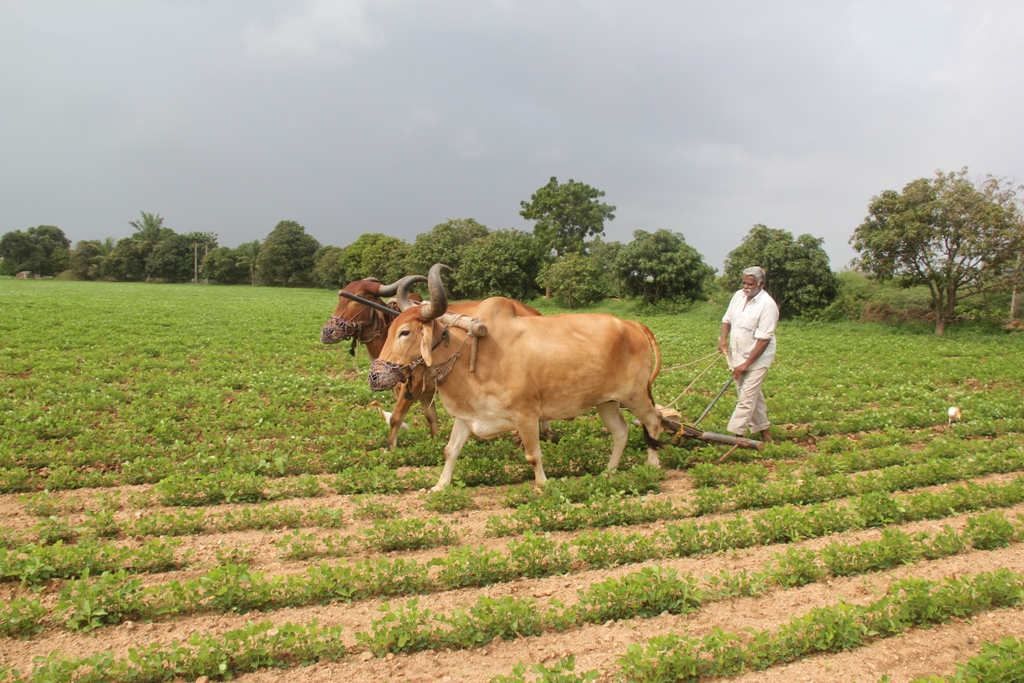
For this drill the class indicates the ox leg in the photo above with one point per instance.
(460, 435)
(651, 420)
(430, 411)
(529, 432)
(611, 415)
(397, 418)
(546, 432)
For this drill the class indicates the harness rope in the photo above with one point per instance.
(717, 355)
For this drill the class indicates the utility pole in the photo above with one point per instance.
(195, 263)
(206, 252)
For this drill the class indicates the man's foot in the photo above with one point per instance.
(766, 435)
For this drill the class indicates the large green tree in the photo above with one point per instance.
(374, 255)
(575, 279)
(87, 259)
(661, 265)
(958, 239)
(504, 263)
(225, 266)
(799, 277)
(127, 261)
(176, 258)
(286, 256)
(327, 269)
(566, 215)
(248, 252)
(43, 249)
(444, 243)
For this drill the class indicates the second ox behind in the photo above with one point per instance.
(526, 369)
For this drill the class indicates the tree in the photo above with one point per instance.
(604, 255)
(799, 277)
(945, 233)
(504, 263)
(443, 244)
(150, 229)
(286, 256)
(566, 215)
(374, 255)
(87, 259)
(42, 250)
(173, 259)
(574, 278)
(661, 265)
(127, 261)
(248, 253)
(226, 266)
(327, 269)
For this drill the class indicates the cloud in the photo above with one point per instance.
(325, 30)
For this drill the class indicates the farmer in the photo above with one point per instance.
(748, 336)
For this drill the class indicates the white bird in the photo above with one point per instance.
(383, 413)
(954, 415)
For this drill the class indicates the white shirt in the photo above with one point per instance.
(750, 320)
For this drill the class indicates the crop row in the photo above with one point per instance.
(35, 563)
(256, 473)
(549, 513)
(834, 628)
(826, 461)
(1002, 661)
(115, 597)
(646, 593)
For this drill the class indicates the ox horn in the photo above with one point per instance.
(387, 290)
(438, 297)
(403, 289)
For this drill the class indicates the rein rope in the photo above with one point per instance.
(716, 355)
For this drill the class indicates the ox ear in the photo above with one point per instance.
(427, 343)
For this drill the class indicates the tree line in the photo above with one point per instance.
(957, 238)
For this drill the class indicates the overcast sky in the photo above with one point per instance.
(392, 116)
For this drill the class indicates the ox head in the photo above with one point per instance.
(411, 336)
(351, 317)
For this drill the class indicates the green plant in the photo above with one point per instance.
(448, 499)
(367, 508)
(408, 534)
(21, 617)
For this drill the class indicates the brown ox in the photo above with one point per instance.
(527, 369)
(361, 323)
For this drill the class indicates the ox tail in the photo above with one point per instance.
(651, 441)
(657, 361)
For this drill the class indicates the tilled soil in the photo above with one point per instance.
(915, 653)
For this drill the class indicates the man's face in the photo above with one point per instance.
(751, 286)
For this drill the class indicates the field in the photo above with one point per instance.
(192, 486)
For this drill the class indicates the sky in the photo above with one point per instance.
(392, 116)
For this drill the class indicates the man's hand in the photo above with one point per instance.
(737, 372)
(723, 345)
(723, 338)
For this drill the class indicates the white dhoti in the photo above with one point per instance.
(751, 410)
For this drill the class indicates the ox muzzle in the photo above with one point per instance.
(329, 335)
(384, 375)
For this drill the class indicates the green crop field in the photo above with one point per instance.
(192, 485)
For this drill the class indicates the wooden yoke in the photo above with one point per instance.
(473, 327)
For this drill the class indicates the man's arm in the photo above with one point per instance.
(759, 346)
(723, 338)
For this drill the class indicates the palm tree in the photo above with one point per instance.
(150, 229)
(248, 251)
(151, 232)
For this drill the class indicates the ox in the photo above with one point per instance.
(526, 369)
(361, 323)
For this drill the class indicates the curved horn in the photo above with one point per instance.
(388, 290)
(403, 289)
(438, 297)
